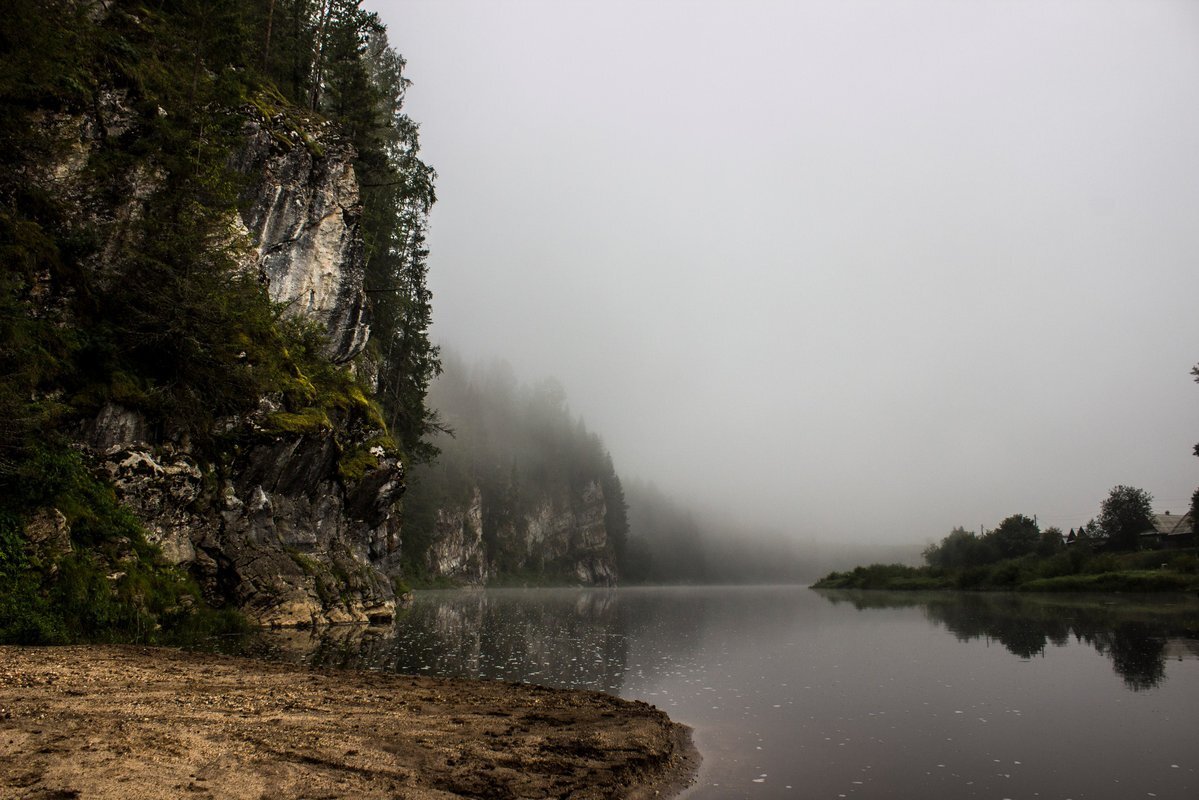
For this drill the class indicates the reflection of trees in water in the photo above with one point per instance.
(1133, 633)
(1137, 652)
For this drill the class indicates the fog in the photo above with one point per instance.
(855, 271)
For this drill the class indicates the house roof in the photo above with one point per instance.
(1169, 524)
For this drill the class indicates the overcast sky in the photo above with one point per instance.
(858, 270)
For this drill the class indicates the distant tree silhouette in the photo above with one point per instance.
(1017, 535)
(1125, 515)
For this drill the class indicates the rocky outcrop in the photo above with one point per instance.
(152, 203)
(300, 214)
(292, 522)
(560, 536)
(573, 535)
(457, 551)
(162, 487)
(288, 544)
(277, 529)
(48, 536)
(277, 532)
(303, 222)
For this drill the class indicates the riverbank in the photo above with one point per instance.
(1075, 571)
(116, 722)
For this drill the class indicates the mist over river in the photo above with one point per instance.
(794, 693)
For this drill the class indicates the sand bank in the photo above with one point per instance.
(119, 722)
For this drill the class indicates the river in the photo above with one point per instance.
(794, 693)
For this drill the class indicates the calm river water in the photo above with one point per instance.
(794, 693)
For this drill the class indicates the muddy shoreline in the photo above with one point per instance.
(120, 721)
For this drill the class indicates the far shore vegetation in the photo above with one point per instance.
(1127, 549)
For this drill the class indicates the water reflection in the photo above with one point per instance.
(1135, 632)
(615, 641)
(792, 693)
(566, 638)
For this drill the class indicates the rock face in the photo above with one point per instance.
(276, 530)
(293, 543)
(303, 221)
(282, 536)
(457, 551)
(562, 536)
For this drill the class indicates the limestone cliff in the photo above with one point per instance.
(303, 220)
(561, 537)
(292, 515)
(278, 528)
(189, 352)
(522, 492)
(457, 551)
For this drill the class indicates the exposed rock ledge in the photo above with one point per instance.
(118, 722)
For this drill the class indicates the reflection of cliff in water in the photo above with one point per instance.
(603, 639)
(1134, 632)
(566, 638)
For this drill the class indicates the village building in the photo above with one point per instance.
(1169, 532)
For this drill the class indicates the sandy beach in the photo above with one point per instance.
(121, 721)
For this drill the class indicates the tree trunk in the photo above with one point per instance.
(266, 45)
(319, 53)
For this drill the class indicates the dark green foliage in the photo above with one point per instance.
(1126, 513)
(1016, 536)
(883, 576)
(364, 91)
(1130, 581)
(111, 585)
(187, 334)
(333, 56)
(1073, 569)
(1017, 556)
(1051, 541)
(960, 549)
(25, 612)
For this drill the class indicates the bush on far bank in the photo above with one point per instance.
(1072, 569)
